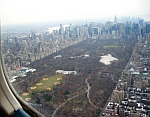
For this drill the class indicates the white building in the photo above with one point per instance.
(66, 72)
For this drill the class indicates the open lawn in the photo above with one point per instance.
(107, 46)
(49, 83)
(44, 84)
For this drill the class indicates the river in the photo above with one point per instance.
(56, 28)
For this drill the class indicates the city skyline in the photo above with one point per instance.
(21, 12)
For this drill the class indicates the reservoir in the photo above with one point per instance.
(107, 59)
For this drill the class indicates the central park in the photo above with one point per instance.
(69, 91)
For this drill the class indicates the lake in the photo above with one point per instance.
(107, 59)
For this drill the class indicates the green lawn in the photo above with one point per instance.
(48, 83)
(45, 84)
(107, 46)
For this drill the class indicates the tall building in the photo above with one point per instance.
(114, 27)
(90, 31)
(108, 24)
(148, 36)
(115, 20)
(95, 30)
(147, 28)
(117, 96)
(61, 30)
(141, 22)
(33, 36)
(95, 33)
(135, 27)
(128, 30)
(77, 32)
(142, 32)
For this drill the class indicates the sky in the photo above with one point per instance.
(32, 11)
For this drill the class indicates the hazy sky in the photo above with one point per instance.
(28, 11)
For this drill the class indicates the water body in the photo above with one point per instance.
(56, 28)
(107, 59)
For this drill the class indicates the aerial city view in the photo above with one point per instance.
(93, 67)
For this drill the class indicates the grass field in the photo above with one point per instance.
(107, 46)
(49, 83)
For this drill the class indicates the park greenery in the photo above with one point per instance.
(71, 92)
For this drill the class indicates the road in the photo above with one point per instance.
(62, 104)
(88, 91)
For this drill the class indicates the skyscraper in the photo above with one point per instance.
(115, 20)
(141, 22)
(135, 27)
(95, 31)
(142, 32)
(117, 96)
(61, 31)
(127, 30)
(147, 28)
